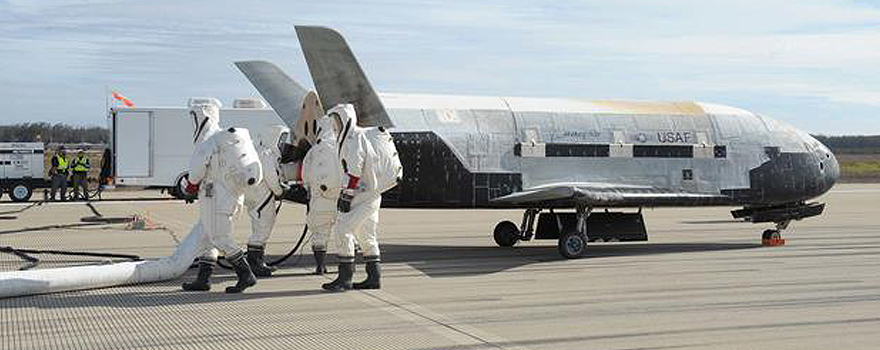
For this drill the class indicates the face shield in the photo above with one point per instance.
(284, 138)
(344, 118)
(196, 122)
(273, 136)
(336, 120)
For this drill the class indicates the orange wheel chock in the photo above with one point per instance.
(773, 242)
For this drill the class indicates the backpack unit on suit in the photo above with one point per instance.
(388, 168)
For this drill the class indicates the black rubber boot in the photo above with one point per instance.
(255, 258)
(246, 278)
(320, 267)
(203, 280)
(374, 274)
(343, 281)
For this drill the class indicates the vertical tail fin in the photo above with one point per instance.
(338, 77)
(283, 93)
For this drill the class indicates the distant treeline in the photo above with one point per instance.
(851, 144)
(53, 133)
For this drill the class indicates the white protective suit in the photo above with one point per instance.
(224, 164)
(322, 176)
(358, 160)
(260, 200)
(206, 122)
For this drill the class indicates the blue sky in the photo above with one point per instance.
(814, 64)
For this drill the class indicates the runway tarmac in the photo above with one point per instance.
(702, 281)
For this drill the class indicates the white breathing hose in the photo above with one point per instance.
(31, 282)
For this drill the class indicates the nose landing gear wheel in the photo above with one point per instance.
(772, 238)
(573, 245)
(506, 234)
(771, 234)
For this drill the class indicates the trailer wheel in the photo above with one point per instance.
(179, 192)
(20, 192)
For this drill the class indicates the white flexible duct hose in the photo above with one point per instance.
(21, 283)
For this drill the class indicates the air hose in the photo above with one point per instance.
(98, 219)
(25, 254)
(22, 210)
(292, 251)
(221, 262)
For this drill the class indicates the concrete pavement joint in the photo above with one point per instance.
(418, 311)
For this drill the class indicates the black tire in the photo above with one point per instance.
(178, 191)
(771, 234)
(506, 234)
(573, 245)
(174, 192)
(20, 192)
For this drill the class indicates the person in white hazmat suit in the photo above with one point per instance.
(224, 165)
(370, 166)
(322, 177)
(261, 201)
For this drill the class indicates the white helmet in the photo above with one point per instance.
(344, 117)
(206, 121)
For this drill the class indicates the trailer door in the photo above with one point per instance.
(133, 146)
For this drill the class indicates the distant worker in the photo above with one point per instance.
(261, 200)
(104, 177)
(58, 174)
(224, 165)
(370, 166)
(81, 166)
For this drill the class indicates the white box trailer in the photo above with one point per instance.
(152, 146)
(21, 169)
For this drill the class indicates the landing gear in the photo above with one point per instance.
(773, 237)
(573, 244)
(771, 234)
(506, 234)
(570, 229)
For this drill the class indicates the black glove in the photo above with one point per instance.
(297, 194)
(343, 205)
(284, 188)
(294, 153)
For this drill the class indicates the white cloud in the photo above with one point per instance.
(163, 51)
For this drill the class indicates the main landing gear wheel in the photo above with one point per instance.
(573, 244)
(506, 234)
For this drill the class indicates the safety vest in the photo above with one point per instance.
(62, 163)
(81, 164)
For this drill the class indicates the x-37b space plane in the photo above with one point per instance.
(559, 158)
